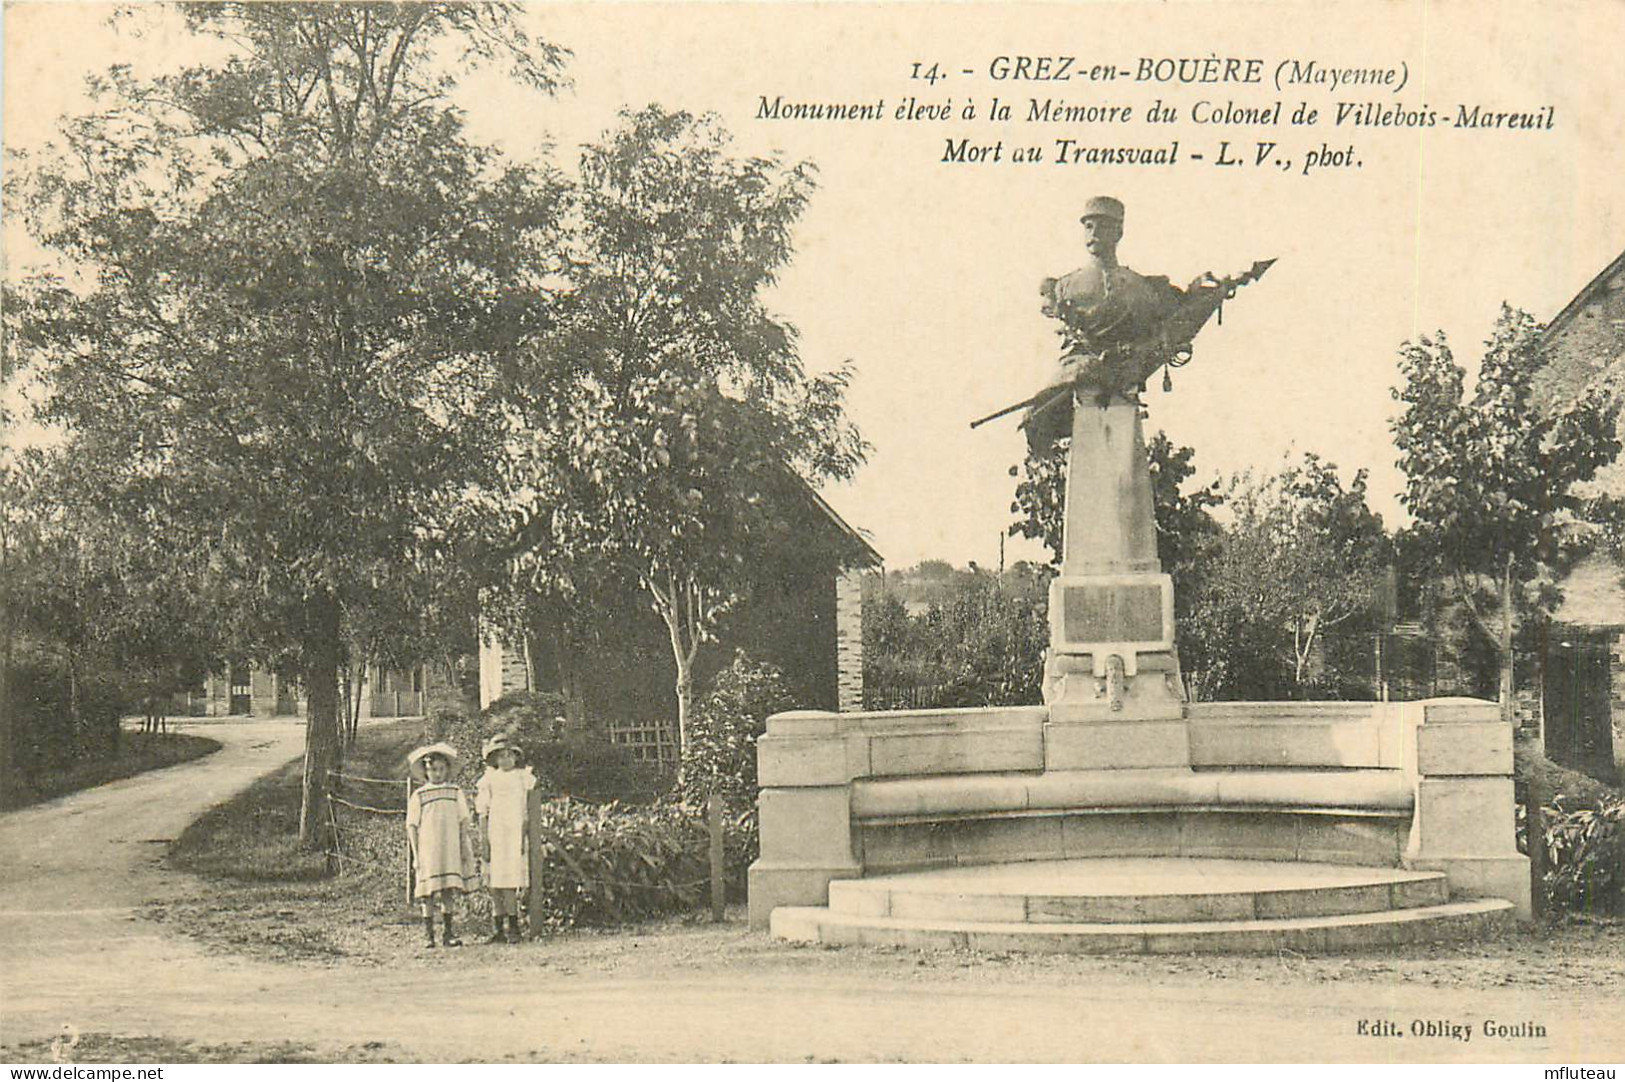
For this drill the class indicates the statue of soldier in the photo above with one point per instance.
(1103, 303)
(1118, 326)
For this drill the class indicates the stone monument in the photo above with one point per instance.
(1111, 657)
(1117, 816)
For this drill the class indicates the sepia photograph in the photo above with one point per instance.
(853, 532)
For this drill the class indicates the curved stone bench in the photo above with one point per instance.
(1418, 785)
(1346, 791)
(1329, 816)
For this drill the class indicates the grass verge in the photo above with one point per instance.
(137, 754)
(261, 893)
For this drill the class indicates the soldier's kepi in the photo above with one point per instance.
(1117, 326)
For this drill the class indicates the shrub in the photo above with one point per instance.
(40, 700)
(721, 752)
(1585, 851)
(609, 864)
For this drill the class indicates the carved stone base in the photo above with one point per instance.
(1073, 691)
(1115, 722)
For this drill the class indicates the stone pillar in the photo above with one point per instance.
(217, 695)
(849, 641)
(1111, 679)
(1110, 526)
(502, 668)
(805, 770)
(1465, 823)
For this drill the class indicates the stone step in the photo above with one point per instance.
(1309, 935)
(1145, 890)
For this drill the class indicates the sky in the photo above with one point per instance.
(924, 274)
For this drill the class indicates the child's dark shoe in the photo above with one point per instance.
(450, 941)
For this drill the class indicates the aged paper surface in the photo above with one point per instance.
(1410, 166)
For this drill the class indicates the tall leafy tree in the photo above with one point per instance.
(98, 619)
(1490, 477)
(980, 642)
(287, 282)
(672, 424)
(1302, 555)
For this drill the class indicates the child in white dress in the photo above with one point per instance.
(501, 802)
(436, 814)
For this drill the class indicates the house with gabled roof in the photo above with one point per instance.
(803, 614)
(1583, 662)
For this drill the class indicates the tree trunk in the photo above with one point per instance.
(347, 682)
(570, 686)
(355, 708)
(1509, 706)
(1303, 648)
(7, 721)
(683, 649)
(685, 695)
(76, 723)
(322, 650)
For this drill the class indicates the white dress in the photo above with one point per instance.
(500, 801)
(438, 812)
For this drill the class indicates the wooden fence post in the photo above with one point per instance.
(1534, 829)
(535, 912)
(713, 807)
(411, 871)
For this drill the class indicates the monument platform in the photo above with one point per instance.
(1314, 826)
(1165, 905)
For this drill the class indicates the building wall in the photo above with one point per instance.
(502, 669)
(809, 625)
(1588, 340)
(849, 641)
(1585, 341)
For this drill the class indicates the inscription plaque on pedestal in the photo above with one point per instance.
(1119, 613)
(1102, 615)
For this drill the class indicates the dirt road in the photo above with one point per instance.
(75, 951)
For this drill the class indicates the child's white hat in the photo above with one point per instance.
(414, 761)
(500, 742)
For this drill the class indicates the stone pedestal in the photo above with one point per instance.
(1111, 679)
(1465, 817)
